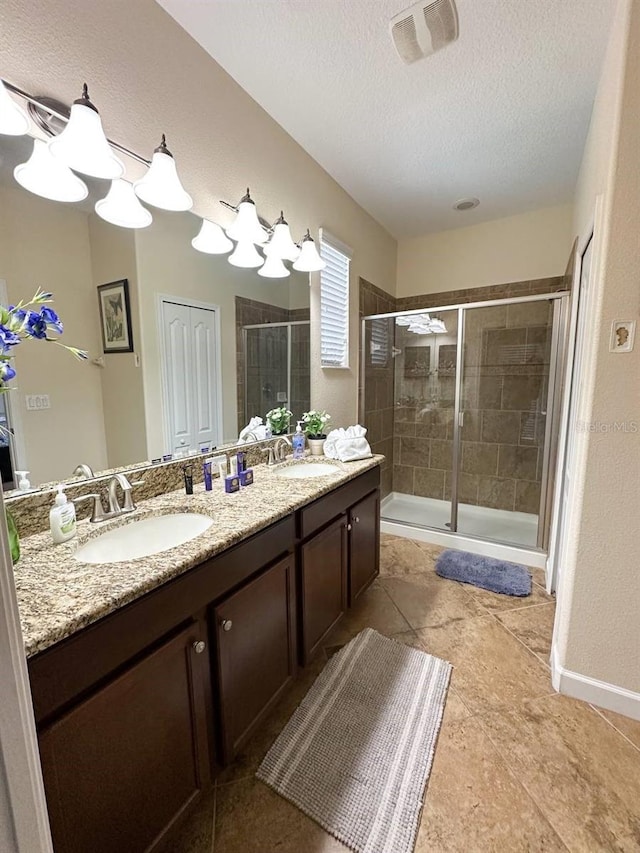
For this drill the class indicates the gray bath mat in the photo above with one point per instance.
(357, 753)
(485, 572)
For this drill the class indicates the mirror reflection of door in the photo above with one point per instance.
(191, 374)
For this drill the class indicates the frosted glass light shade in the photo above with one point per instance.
(48, 177)
(273, 268)
(82, 145)
(211, 239)
(281, 245)
(121, 207)
(246, 256)
(246, 226)
(309, 260)
(161, 185)
(13, 119)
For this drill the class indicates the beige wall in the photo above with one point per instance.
(147, 75)
(517, 248)
(598, 631)
(113, 257)
(40, 249)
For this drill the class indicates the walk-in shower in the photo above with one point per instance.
(463, 399)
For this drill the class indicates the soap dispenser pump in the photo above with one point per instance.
(298, 442)
(62, 518)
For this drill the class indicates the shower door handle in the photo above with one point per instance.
(460, 419)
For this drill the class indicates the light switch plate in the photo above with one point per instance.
(37, 402)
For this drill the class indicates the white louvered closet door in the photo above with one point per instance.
(190, 376)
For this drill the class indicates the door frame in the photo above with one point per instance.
(161, 298)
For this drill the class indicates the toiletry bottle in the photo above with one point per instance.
(298, 443)
(188, 479)
(206, 473)
(62, 518)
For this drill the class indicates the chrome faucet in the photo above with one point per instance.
(83, 470)
(98, 513)
(280, 448)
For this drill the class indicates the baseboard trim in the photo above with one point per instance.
(592, 690)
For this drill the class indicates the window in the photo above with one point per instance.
(334, 302)
(380, 341)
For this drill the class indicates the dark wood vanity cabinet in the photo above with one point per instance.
(364, 544)
(121, 765)
(255, 640)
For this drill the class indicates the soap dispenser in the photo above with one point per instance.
(298, 443)
(62, 518)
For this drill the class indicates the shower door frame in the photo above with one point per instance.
(557, 357)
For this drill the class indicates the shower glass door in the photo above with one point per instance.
(505, 371)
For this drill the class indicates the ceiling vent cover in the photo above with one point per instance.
(424, 28)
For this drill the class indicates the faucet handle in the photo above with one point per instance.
(271, 458)
(129, 505)
(97, 513)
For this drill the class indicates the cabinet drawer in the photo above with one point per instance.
(325, 509)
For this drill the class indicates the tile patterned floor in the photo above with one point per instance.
(517, 767)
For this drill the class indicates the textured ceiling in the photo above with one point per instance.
(501, 114)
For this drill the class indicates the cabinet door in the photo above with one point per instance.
(255, 639)
(323, 568)
(364, 544)
(123, 764)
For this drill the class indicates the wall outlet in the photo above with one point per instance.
(281, 396)
(37, 402)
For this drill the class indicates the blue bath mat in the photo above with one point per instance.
(485, 572)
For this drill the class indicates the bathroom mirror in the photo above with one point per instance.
(122, 408)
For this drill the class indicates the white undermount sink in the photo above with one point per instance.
(143, 538)
(307, 469)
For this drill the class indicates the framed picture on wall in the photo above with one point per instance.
(115, 316)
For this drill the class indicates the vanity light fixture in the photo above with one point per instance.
(281, 244)
(309, 260)
(13, 119)
(211, 239)
(246, 226)
(48, 177)
(82, 145)
(121, 207)
(246, 256)
(161, 185)
(273, 268)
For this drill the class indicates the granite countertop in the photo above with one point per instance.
(58, 595)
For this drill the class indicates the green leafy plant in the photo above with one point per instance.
(314, 423)
(279, 420)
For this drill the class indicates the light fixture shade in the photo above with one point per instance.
(246, 226)
(246, 256)
(309, 260)
(45, 176)
(82, 145)
(121, 207)
(161, 185)
(13, 119)
(403, 321)
(273, 268)
(211, 239)
(281, 245)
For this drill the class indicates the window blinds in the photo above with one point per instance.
(334, 302)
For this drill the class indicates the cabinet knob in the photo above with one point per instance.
(226, 624)
(348, 526)
(199, 646)
(357, 520)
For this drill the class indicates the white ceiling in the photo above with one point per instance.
(501, 114)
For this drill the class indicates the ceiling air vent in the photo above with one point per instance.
(424, 28)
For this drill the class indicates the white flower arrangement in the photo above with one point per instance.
(314, 423)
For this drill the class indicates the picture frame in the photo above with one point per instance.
(623, 333)
(115, 316)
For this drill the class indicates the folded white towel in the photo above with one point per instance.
(255, 430)
(347, 445)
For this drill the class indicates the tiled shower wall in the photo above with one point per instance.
(501, 446)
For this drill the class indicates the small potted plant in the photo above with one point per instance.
(314, 425)
(279, 420)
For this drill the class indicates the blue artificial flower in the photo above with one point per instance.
(8, 339)
(51, 319)
(6, 371)
(36, 325)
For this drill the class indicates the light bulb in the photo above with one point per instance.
(13, 119)
(246, 226)
(309, 260)
(121, 207)
(161, 185)
(273, 268)
(83, 146)
(45, 176)
(246, 256)
(281, 245)
(211, 239)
